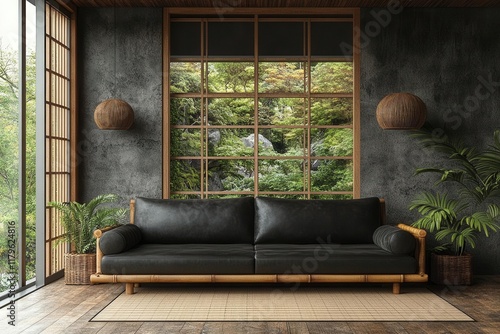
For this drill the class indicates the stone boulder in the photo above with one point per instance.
(250, 141)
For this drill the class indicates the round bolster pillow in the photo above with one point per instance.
(394, 240)
(120, 239)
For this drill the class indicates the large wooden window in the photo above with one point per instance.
(263, 104)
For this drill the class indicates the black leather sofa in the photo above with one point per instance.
(259, 240)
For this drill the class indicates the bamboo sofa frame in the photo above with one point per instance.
(131, 281)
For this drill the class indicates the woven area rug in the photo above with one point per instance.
(253, 303)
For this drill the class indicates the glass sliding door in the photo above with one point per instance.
(37, 126)
(17, 146)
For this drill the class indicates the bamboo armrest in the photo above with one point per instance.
(417, 232)
(98, 233)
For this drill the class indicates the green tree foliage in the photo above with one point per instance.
(230, 77)
(185, 78)
(281, 78)
(230, 111)
(331, 111)
(291, 139)
(332, 77)
(9, 155)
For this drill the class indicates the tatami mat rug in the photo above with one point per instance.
(279, 304)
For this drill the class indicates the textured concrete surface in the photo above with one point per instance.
(441, 55)
(122, 60)
(444, 56)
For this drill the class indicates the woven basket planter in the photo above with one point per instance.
(78, 268)
(451, 269)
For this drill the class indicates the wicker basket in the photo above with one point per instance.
(78, 268)
(451, 269)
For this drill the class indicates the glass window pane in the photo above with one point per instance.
(185, 175)
(332, 196)
(230, 39)
(282, 77)
(282, 175)
(292, 124)
(331, 175)
(185, 111)
(332, 77)
(230, 111)
(185, 77)
(331, 38)
(185, 196)
(31, 140)
(331, 142)
(281, 39)
(9, 143)
(185, 39)
(185, 142)
(331, 111)
(230, 175)
(288, 196)
(282, 111)
(228, 195)
(234, 77)
(282, 142)
(230, 142)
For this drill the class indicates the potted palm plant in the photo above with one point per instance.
(464, 207)
(80, 220)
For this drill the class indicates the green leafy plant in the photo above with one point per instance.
(458, 214)
(80, 220)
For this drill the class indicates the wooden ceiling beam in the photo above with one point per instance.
(282, 3)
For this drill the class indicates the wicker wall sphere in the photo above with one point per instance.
(401, 111)
(114, 114)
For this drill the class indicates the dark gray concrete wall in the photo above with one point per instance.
(122, 60)
(441, 55)
(444, 56)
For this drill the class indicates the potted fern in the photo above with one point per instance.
(80, 220)
(466, 206)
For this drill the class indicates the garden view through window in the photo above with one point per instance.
(17, 147)
(261, 106)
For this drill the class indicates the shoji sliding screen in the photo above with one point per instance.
(58, 117)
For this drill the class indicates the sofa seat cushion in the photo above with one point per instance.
(330, 259)
(180, 259)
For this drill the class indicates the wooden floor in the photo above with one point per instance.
(60, 308)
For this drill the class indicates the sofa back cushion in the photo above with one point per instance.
(206, 221)
(315, 221)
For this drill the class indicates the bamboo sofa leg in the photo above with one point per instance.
(129, 288)
(396, 288)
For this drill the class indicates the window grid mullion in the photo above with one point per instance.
(205, 95)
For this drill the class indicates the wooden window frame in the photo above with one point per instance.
(254, 14)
